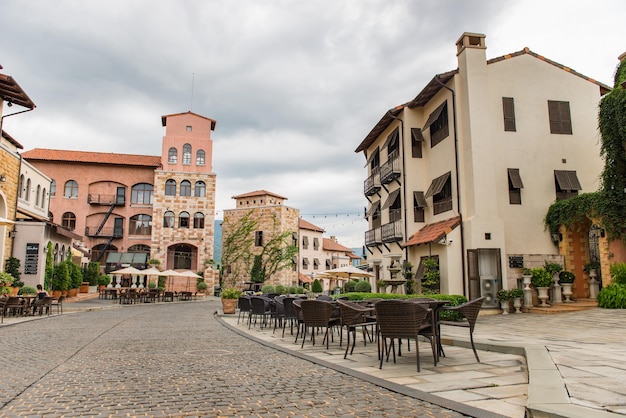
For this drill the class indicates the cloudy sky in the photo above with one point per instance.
(294, 86)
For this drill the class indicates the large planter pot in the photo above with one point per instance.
(72, 293)
(517, 304)
(567, 292)
(543, 296)
(504, 305)
(56, 294)
(229, 306)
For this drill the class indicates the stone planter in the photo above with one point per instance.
(504, 305)
(567, 292)
(517, 304)
(543, 296)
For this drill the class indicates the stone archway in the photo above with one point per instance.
(182, 257)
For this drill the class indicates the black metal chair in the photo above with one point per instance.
(289, 313)
(243, 303)
(259, 306)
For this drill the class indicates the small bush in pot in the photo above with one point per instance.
(541, 277)
(516, 293)
(503, 295)
(566, 277)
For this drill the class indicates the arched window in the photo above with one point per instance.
(56, 253)
(53, 188)
(200, 157)
(71, 189)
(142, 194)
(170, 188)
(140, 225)
(21, 186)
(43, 197)
(186, 154)
(168, 219)
(27, 197)
(62, 253)
(198, 220)
(172, 156)
(38, 195)
(200, 189)
(68, 221)
(183, 220)
(139, 248)
(185, 188)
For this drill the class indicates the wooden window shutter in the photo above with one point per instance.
(416, 142)
(508, 109)
(560, 117)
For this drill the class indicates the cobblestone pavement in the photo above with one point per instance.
(174, 359)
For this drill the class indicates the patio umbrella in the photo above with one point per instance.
(127, 270)
(170, 273)
(151, 272)
(348, 272)
(188, 274)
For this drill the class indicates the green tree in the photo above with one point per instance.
(316, 287)
(61, 279)
(608, 204)
(240, 254)
(49, 275)
(92, 273)
(12, 266)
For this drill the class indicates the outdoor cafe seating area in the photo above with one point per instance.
(390, 325)
(28, 305)
(128, 295)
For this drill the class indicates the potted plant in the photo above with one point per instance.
(28, 290)
(504, 296)
(230, 296)
(201, 286)
(541, 280)
(103, 281)
(566, 279)
(6, 282)
(591, 267)
(517, 294)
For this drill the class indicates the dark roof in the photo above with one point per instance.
(11, 92)
(11, 140)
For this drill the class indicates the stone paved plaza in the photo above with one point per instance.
(172, 359)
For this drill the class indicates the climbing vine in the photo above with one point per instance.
(608, 204)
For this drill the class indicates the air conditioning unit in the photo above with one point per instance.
(488, 289)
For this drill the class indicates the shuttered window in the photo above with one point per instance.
(515, 186)
(419, 203)
(508, 110)
(560, 118)
(416, 142)
(566, 184)
(438, 124)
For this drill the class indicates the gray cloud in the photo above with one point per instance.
(294, 86)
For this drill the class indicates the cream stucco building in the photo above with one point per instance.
(466, 171)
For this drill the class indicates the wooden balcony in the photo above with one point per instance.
(372, 184)
(372, 237)
(391, 170)
(392, 232)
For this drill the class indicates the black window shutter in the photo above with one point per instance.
(508, 109)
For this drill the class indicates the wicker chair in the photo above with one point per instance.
(297, 310)
(243, 303)
(400, 319)
(290, 313)
(318, 314)
(354, 316)
(259, 306)
(470, 311)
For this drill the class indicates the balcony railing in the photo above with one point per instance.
(391, 170)
(106, 232)
(392, 232)
(372, 184)
(372, 237)
(105, 199)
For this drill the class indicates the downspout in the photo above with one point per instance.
(404, 215)
(458, 187)
(12, 114)
(19, 173)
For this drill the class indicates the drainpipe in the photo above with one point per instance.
(12, 114)
(19, 173)
(404, 215)
(458, 187)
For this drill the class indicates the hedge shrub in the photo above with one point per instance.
(612, 296)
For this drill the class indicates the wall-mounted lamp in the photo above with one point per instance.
(9, 103)
(3, 178)
(557, 237)
(12, 232)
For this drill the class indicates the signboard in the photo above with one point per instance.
(32, 258)
(516, 261)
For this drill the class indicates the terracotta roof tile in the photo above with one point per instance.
(108, 158)
(302, 224)
(433, 232)
(330, 245)
(11, 140)
(305, 279)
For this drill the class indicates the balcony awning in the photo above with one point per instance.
(515, 178)
(419, 199)
(434, 116)
(433, 232)
(391, 199)
(375, 207)
(567, 180)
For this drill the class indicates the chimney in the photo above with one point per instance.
(470, 40)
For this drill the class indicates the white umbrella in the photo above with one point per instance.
(127, 270)
(347, 272)
(188, 274)
(170, 273)
(152, 271)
